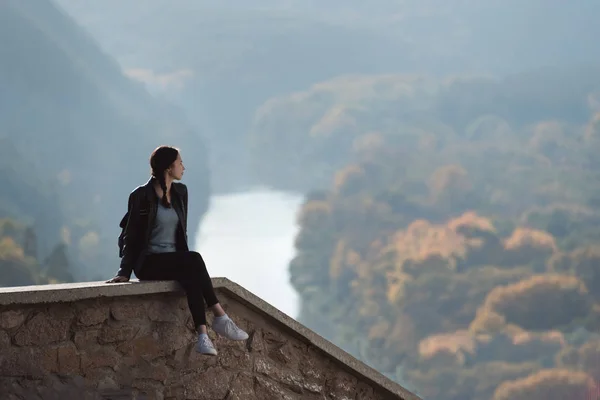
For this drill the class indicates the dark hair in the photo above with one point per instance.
(161, 158)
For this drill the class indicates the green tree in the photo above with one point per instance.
(57, 264)
(30, 245)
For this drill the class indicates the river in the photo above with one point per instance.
(248, 238)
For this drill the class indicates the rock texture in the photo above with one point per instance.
(142, 347)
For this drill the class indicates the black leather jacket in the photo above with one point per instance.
(142, 207)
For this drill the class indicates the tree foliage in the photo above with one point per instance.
(19, 265)
(465, 244)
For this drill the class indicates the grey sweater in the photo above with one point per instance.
(162, 237)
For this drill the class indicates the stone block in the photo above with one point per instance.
(267, 390)
(60, 388)
(233, 356)
(145, 347)
(144, 370)
(12, 318)
(211, 384)
(312, 366)
(255, 342)
(105, 356)
(86, 339)
(173, 337)
(165, 310)
(187, 359)
(286, 354)
(101, 379)
(93, 315)
(68, 359)
(114, 332)
(242, 387)
(19, 389)
(174, 392)
(290, 379)
(28, 362)
(341, 386)
(128, 309)
(148, 389)
(116, 394)
(45, 327)
(4, 340)
(273, 339)
(365, 392)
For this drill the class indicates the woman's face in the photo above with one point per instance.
(176, 169)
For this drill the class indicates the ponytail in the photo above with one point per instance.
(160, 160)
(163, 186)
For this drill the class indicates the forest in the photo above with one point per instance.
(75, 137)
(32, 246)
(456, 245)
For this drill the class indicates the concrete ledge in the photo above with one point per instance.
(71, 292)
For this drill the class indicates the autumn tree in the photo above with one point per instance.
(529, 247)
(540, 302)
(585, 264)
(15, 268)
(553, 384)
(451, 187)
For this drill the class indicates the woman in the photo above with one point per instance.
(155, 245)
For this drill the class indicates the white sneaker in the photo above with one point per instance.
(205, 346)
(225, 327)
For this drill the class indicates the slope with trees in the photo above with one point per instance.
(71, 117)
(32, 247)
(460, 229)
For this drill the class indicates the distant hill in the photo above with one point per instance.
(86, 129)
(459, 227)
(222, 60)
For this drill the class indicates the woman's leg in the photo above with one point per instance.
(197, 267)
(222, 324)
(176, 266)
(208, 290)
(188, 268)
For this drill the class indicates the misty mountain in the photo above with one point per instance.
(86, 129)
(220, 63)
(222, 60)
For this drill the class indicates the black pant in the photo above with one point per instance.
(187, 268)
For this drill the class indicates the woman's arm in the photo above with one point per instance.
(185, 203)
(130, 237)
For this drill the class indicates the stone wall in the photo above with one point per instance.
(142, 346)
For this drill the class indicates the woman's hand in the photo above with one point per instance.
(118, 279)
